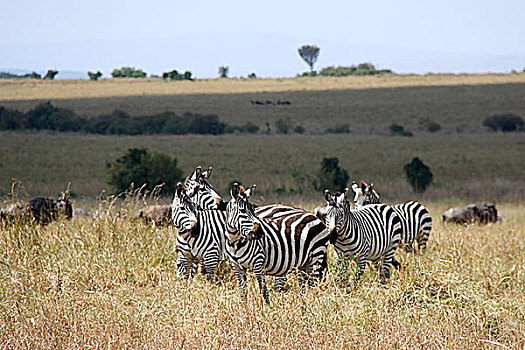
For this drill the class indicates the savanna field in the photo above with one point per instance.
(108, 281)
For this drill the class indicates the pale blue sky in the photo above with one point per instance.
(407, 36)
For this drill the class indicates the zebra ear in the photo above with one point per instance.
(198, 172)
(345, 194)
(180, 189)
(355, 187)
(371, 186)
(249, 192)
(327, 195)
(206, 174)
(234, 192)
(363, 186)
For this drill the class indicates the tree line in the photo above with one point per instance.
(46, 116)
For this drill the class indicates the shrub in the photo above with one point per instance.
(360, 69)
(139, 166)
(504, 122)
(51, 74)
(94, 76)
(331, 176)
(339, 129)
(433, 127)
(128, 72)
(174, 75)
(299, 129)
(397, 129)
(418, 175)
(283, 127)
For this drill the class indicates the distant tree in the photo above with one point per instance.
(94, 76)
(128, 72)
(139, 166)
(309, 53)
(397, 129)
(252, 76)
(223, 71)
(433, 127)
(299, 129)
(175, 75)
(331, 176)
(33, 75)
(418, 175)
(50, 74)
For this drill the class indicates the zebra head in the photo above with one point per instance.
(335, 212)
(200, 190)
(240, 215)
(364, 195)
(184, 213)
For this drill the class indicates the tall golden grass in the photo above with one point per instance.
(109, 283)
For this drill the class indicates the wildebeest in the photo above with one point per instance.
(40, 210)
(472, 213)
(158, 214)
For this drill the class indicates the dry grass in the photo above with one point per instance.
(108, 283)
(70, 89)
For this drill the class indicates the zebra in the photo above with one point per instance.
(272, 245)
(202, 193)
(200, 236)
(415, 218)
(371, 233)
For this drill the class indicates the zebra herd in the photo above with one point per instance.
(276, 240)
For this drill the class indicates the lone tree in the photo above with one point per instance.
(94, 76)
(418, 175)
(50, 75)
(139, 166)
(309, 54)
(223, 71)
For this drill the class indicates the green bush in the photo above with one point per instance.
(174, 75)
(360, 69)
(128, 72)
(418, 175)
(504, 122)
(299, 129)
(139, 166)
(331, 176)
(433, 127)
(94, 76)
(51, 74)
(339, 129)
(397, 129)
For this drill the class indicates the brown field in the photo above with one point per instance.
(107, 283)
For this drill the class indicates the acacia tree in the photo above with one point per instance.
(223, 71)
(309, 53)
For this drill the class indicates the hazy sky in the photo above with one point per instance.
(474, 29)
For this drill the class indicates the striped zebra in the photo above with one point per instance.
(416, 220)
(200, 236)
(371, 233)
(276, 246)
(202, 193)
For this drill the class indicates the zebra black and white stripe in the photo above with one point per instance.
(371, 233)
(200, 237)
(275, 246)
(202, 193)
(416, 220)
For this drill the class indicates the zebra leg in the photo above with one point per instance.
(422, 239)
(211, 261)
(258, 270)
(361, 264)
(396, 264)
(241, 277)
(183, 266)
(409, 248)
(280, 281)
(387, 262)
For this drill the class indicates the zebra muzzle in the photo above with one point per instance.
(333, 235)
(256, 233)
(195, 229)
